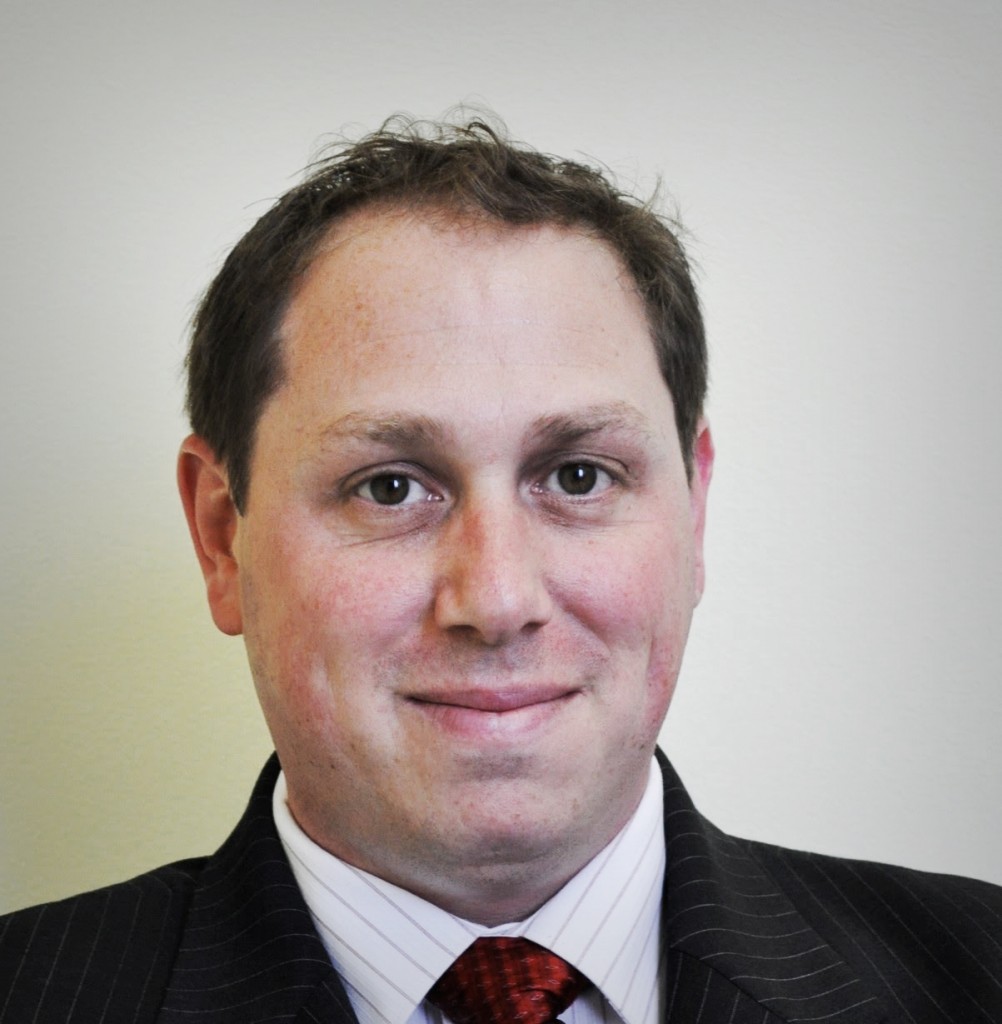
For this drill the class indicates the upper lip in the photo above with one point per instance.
(493, 698)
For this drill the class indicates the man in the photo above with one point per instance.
(448, 478)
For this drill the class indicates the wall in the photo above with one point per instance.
(838, 166)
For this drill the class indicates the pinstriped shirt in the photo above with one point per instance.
(390, 946)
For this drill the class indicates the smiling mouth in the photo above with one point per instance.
(494, 701)
(493, 715)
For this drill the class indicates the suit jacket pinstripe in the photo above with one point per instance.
(753, 934)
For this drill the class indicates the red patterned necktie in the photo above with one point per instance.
(507, 981)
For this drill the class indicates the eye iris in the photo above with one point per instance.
(577, 477)
(390, 488)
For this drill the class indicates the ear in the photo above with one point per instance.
(212, 521)
(702, 471)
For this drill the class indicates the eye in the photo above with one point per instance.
(578, 479)
(394, 489)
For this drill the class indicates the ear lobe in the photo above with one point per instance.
(702, 471)
(212, 521)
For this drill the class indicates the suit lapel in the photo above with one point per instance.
(249, 951)
(735, 944)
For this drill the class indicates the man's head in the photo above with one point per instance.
(236, 360)
(469, 547)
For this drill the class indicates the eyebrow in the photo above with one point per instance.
(563, 429)
(391, 429)
(403, 430)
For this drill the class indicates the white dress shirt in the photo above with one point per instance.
(390, 946)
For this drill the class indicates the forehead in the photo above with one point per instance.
(404, 308)
(382, 272)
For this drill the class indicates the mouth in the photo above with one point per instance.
(492, 713)
(494, 701)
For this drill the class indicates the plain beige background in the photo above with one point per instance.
(838, 165)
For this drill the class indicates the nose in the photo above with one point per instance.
(491, 581)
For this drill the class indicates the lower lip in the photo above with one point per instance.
(472, 723)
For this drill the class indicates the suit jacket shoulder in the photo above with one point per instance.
(749, 927)
(933, 940)
(221, 940)
(100, 956)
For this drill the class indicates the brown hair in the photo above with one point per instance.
(235, 360)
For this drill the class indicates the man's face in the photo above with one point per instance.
(470, 553)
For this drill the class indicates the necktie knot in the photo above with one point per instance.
(507, 981)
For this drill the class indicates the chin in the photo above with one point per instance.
(513, 834)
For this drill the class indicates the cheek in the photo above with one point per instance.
(327, 594)
(319, 621)
(636, 592)
(637, 600)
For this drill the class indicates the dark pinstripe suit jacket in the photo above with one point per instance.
(753, 935)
